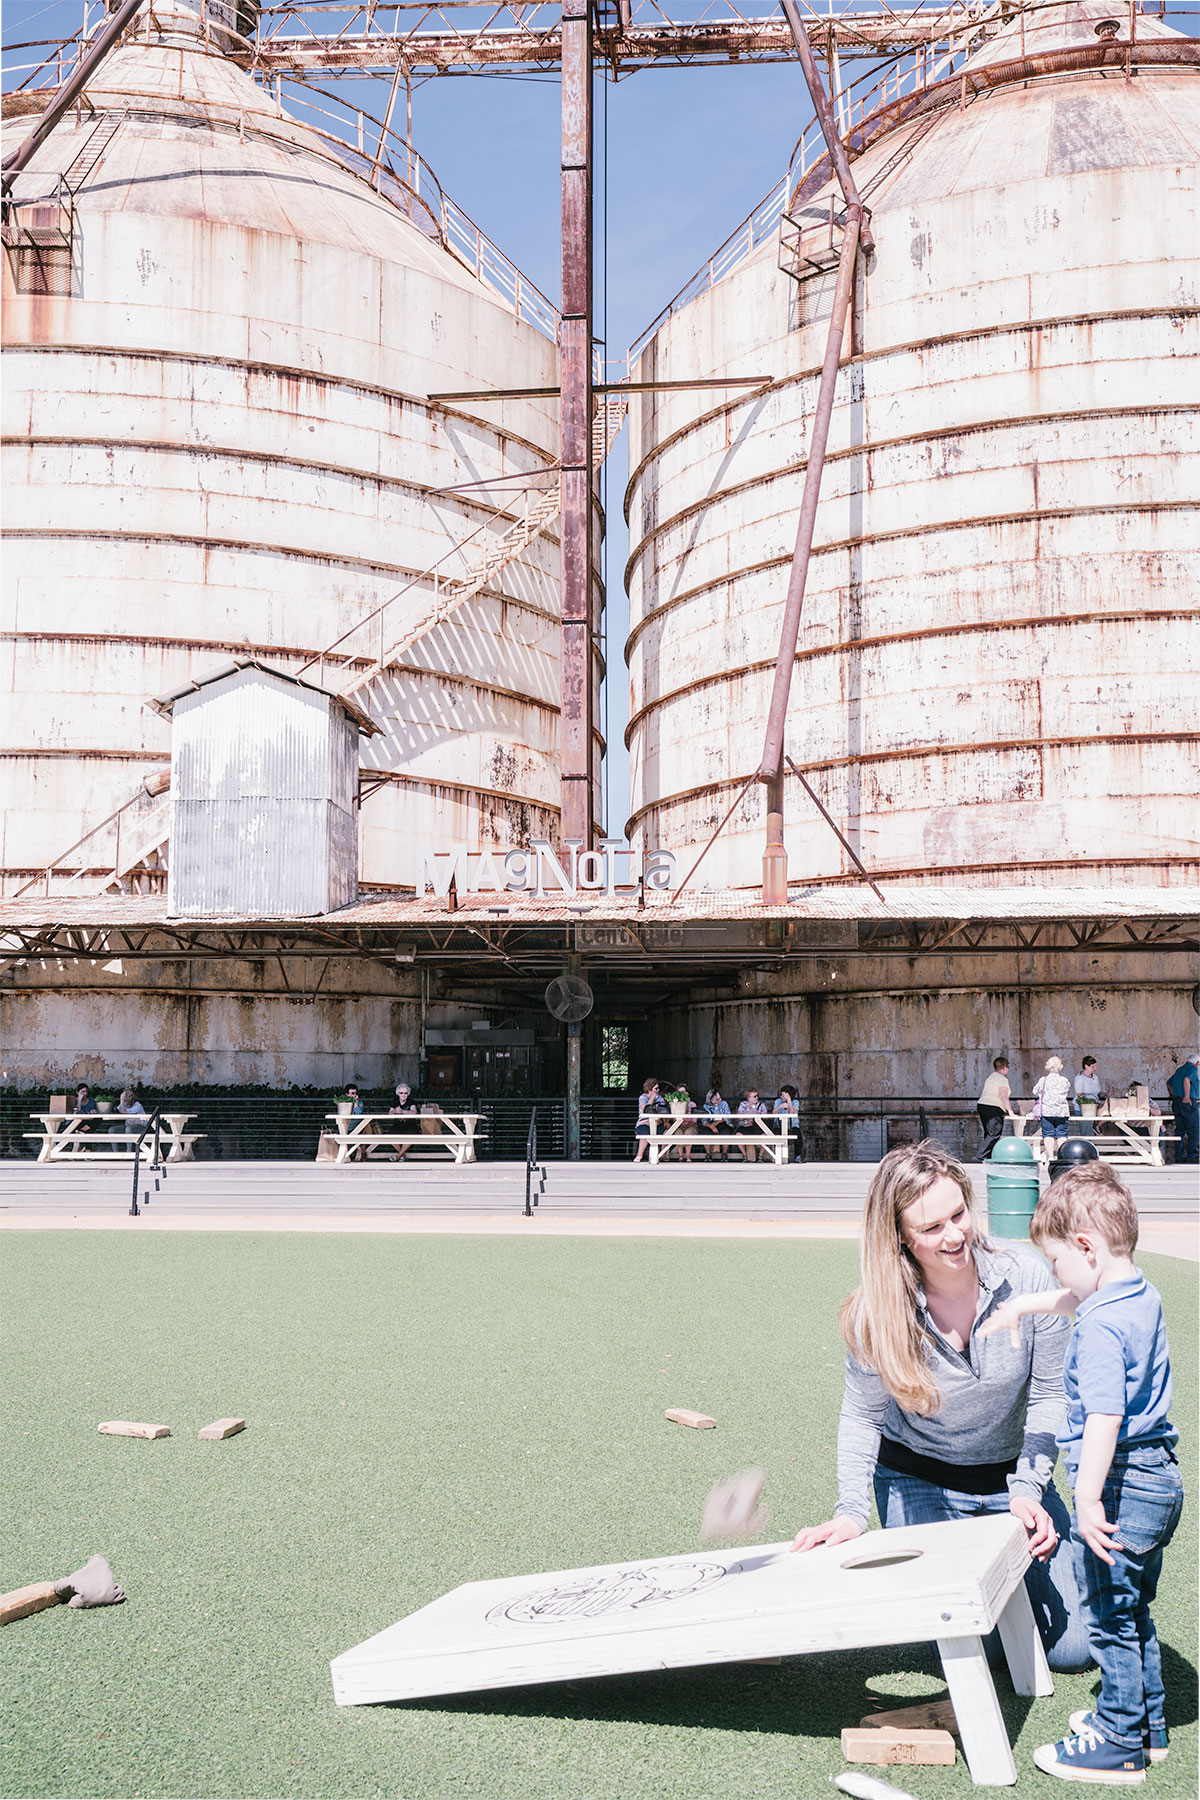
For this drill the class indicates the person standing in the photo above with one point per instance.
(994, 1106)
(1184, 1089)
(1052, 1097)
(1119, 1446)
(1087, 1087)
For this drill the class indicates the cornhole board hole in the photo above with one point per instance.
(946, 1583)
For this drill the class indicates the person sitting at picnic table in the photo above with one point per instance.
(1052, 1102)
(751, 1105)
(686, 1133)
(715, 1118)
(85, 1104)
(404, 1104)
(788, 1107)
(129, 1107)
(649, 1100)
(943, 1421)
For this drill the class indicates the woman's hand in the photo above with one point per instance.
(1039, 1526)
(834, 1531)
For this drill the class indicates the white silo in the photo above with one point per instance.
(219, 443)
(992, 684)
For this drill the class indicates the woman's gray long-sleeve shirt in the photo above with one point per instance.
(998, 1402)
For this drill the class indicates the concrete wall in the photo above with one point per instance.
(929, 1041)
(226, 1024)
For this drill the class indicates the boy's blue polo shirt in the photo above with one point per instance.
(1117, 1362)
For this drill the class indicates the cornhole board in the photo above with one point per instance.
(947, 1583)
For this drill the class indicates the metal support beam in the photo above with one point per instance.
(825, 118)
(771, 768)
(66, 96)
(575, 480)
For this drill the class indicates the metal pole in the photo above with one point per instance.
(16, 160)
(825, 118)
(575, 482)
(771, 768)
(574, 1084)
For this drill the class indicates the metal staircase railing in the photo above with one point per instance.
(141, 862)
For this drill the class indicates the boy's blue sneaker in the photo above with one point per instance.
(1155, 1744)
(1089, 1757)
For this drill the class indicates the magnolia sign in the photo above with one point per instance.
(613, 867)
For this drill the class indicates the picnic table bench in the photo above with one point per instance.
(760, 1132)
(363, 1135)
(64, 1137)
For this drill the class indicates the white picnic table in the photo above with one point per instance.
(761, 1132)
(949, 1584)
(1115, 1135)
(363, 1133)
(67, 1136)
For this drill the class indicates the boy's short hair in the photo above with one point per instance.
(1089, 1197)
(1000, 1062)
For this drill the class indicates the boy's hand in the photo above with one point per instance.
(1039, 1526)
(1095, 1530)
(1005, 1318)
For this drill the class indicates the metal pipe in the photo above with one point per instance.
(825, 118)
(17, 159)
(772, 758)
(575, 482)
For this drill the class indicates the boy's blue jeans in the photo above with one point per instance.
(1143, 1497)
(1054, 1587)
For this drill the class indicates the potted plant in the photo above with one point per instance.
(105, 1102)
(344, 1105)
(678, 1099)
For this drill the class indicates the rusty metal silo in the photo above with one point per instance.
(222, 332)
(994, 684)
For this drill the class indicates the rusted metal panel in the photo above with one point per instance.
(992, 677)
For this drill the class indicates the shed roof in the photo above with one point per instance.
(165, 703)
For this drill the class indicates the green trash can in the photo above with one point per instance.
(1012, 1188)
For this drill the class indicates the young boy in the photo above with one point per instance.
(1118, 1445)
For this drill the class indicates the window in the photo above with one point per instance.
(614, 1058)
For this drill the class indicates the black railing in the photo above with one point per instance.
(531, 1167)
(154, 1122)
(286, 1127)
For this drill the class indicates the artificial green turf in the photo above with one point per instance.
(423, 1412)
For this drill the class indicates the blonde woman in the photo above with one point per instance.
(941, 1425)
(1052, 1095)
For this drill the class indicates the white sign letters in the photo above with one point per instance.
(614, 867)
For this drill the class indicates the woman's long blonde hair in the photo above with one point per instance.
(879, 1321)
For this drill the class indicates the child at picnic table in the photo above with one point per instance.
(1119, 1447)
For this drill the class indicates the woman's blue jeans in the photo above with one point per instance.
(1143, 1497)
(1054, 1587)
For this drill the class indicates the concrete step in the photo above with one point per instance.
(597, 1189)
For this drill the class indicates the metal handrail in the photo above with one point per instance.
(531, 1199)
(154, 1120)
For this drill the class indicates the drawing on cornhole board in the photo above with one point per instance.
(948, 1584)
(617, 1590)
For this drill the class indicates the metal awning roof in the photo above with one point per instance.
(841, 903)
